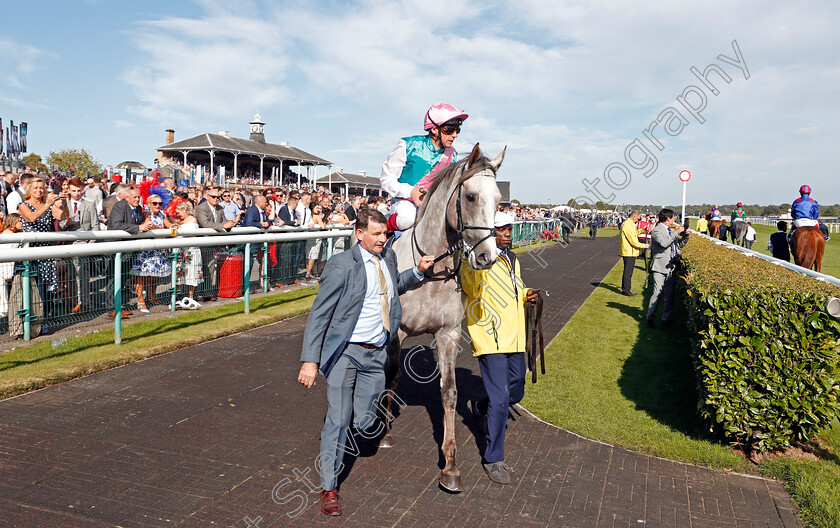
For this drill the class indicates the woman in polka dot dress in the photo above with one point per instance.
(38, 211)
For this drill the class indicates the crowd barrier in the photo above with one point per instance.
(528, 232)
(96, 272)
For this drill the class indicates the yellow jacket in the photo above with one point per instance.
(495, 300)
(702, 224)
(628, 240)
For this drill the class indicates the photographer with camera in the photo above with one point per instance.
(665, 246)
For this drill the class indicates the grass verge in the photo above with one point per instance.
(610, 378)
(39, 365)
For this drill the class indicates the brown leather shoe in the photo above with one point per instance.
(78, 308)
(329, 503)
(124, 314)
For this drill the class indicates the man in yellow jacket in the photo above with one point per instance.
(628, 248)
(495, 300)
(703, 225)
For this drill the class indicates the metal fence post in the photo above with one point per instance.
(329, 251)
(118, 298)
(173, 255)
(265, 267)
(246, 283)
(27, 300)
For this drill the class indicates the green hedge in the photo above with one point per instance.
(765, 350)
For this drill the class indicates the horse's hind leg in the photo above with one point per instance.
(392, 379)
(448, 345)
(818, 254)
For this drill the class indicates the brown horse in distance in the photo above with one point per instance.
(808, 246)
(714, 228)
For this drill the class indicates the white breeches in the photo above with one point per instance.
(804, 222)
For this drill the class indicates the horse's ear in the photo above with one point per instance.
(475, 155)
(497, 161)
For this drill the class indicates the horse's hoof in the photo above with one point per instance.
(450, 483)
(386, 442)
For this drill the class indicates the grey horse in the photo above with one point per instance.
(458, 211)
(738, 230)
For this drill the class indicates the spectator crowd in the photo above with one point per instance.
(61, 287)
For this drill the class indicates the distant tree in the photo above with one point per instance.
(831, 210)
(33, 161)
(78, 160)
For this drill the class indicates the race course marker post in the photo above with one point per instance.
(684, 177)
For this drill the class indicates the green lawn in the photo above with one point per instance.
(611, 378)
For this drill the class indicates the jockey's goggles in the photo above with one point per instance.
(450, 128)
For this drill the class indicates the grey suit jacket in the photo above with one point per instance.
(661, 239)
(84, 219)
(204, 216)
(339, 303)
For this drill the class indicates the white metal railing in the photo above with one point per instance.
(168, 242)
(833, 224)
(75, 236)
(163, 240)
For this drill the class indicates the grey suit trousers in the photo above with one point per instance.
(354, 384)
(666, 282)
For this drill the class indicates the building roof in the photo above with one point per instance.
(340, 178)
(224, 143)
(131, 165)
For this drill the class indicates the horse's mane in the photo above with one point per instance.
(447, 176)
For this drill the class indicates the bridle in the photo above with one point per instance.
(461, 244)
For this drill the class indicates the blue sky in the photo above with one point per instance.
(567, 86)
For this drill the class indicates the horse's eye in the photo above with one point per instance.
(470, 197)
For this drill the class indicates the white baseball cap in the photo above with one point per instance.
(502, 219)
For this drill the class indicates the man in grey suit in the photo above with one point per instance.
(665, 246)
(83, 217)
(355, 315)
(210, 213)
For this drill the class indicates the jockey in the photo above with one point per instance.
(412, 166)
(739, 214)
(805, 210)
(715, 213)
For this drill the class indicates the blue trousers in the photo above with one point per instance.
(354, 383)
(503, 376)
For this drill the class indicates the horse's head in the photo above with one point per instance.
(472, 209)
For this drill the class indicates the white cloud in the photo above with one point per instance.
(567, 85)
(119, 123)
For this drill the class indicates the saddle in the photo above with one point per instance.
(534, 344)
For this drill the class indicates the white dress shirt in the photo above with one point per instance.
(369, 327)
(304, 214)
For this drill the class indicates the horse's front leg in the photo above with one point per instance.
(392, 380)
(448, 345)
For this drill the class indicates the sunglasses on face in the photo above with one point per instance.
(214, 196)
(226, 195)
(154, 203)
(450, 129)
